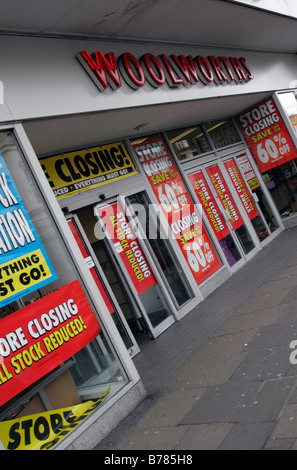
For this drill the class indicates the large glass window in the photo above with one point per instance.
(289, 103)
(189, 142)
(222, 133)
(281, 181)
(54, 355)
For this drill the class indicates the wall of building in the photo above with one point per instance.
(43, 78)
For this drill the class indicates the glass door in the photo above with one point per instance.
(83, 242)
(217, 220)
(232, 212)
(254, 185)
(135, 278)
(246, 199)
(148, 225)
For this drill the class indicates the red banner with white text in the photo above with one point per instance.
(127, 247)
(266, 135)
(209, 205)
(224, 195)
(39, 337)
(180, 212)
(241, 189)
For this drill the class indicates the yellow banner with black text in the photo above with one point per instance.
(74, 172)
(46, 430)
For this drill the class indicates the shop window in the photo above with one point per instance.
(189, 142)
(55, 358)
(289, 103)
(181, 215)
(222, 133)
(281, 181)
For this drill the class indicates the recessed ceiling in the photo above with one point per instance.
(216, 23)
(66, 133)
(211, 22)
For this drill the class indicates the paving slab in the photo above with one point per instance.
(204, 436)
(263, 364)
(250, 436)
(273, 335)
(226, 403)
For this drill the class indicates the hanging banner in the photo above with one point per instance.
(209, 205)
(266, 135)
(39, 337)
(127, 246)
(46, 430)
(181, 214)
(248, 172)
(74, 172)
(224, 195)
(241, 189)
(91, 265)
(24, 263)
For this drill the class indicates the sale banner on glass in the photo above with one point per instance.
(224, 195)
(248, 172)
(266, 135)
(210, 207)
(127, 246)
(241, 189)
(24, 263)
(182, 216)
(39, 337)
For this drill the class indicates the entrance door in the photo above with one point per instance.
(100, 279)
(130, 264)
(217, 219)
(254, 185)
(134, 277)
(232, 211)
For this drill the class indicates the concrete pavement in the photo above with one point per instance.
(221, 378)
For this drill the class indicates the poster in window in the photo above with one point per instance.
(266, 135)
(24, 263)
(181, 213)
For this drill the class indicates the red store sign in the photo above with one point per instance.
(266, 135)
(107, 71)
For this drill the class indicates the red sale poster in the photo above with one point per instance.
(241, 189)
(181, 214)
(224, 194)
(38, 338)
(210, 207)
(127, 247)
(267, 135)
(248, 172)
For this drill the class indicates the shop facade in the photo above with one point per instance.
(141, 181)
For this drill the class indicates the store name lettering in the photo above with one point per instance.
(107, 71)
